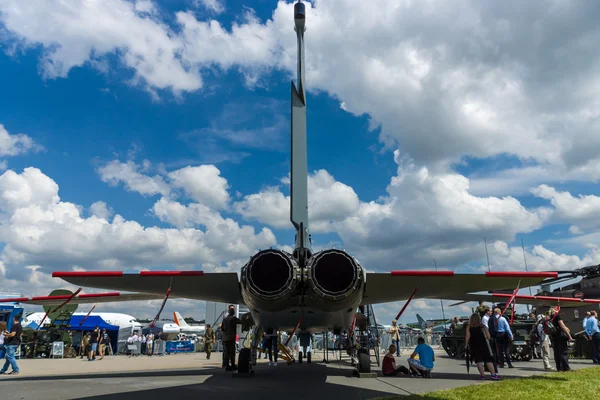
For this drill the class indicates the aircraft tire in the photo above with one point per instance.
(364, 361)
(244, 361)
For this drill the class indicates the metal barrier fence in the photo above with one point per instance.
(409, 340)
(159, 348)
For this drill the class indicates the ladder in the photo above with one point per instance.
(373, 331)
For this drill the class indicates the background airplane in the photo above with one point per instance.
(116, 319)
(185, 327)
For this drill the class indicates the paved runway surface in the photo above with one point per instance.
(186, 376)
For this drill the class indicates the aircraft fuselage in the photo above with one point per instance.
(322, 295)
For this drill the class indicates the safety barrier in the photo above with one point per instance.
(409, 340)
(160, 347)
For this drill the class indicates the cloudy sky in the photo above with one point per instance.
(155, 134)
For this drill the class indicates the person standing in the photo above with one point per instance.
(209, 340)
(593, 332)
(482, 309)
(395, 335)
(544, 342)
(561, 341)
(503, 338)
(94, 338)
(587, 315)
(486, 317)
(12, 340)
(229, 328)
(477, 340)
(149, 343)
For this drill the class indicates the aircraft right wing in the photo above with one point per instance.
(564, 302)
(398, 285)
(218, 287)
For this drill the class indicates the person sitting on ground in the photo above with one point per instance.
(477, 339)
(389, 364)
(424, 364)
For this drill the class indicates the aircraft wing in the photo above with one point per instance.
(87, 298)
(399, 285)
(564, 302)
(219, 287)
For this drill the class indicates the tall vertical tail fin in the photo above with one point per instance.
(179, 320)
(422, 322)
(299, 167)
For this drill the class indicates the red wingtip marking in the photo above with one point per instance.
(171, 273)
(38, 298)
(516, 274)
(422, 273)
(14, 300)
(86, 274)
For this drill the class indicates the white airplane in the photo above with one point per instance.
(313, 291)
(185, 327)
(116, 319)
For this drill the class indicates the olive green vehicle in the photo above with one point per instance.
(520, 347)
(39, 343)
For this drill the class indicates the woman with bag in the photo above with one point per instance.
(562, 335)
(477, 339)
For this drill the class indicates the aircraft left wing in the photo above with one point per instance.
(219, 287)
(86, 298)
(398, 285)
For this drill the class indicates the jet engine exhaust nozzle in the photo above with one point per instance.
(271, 274)
(334, 274)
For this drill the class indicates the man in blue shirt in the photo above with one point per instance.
(503, 338)
(587, 315)
(593, 331)
(424, 364)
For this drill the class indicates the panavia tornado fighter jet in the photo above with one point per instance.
(313, 291)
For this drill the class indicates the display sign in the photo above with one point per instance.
(58, 349)
(180, 346)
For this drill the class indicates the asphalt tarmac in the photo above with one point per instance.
(183, 376)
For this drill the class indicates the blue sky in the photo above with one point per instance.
(371, 101)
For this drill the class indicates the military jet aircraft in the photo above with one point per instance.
(313, 291)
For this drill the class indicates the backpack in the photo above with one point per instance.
(549, 328)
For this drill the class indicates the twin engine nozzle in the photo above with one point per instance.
(332, 274)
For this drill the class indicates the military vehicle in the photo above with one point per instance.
(453, 340)
(589, 288)
(38, 342)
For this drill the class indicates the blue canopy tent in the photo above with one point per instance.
(88, 325)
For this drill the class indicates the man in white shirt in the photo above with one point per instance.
(486, 317)
(544, 342)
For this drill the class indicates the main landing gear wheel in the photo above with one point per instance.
(364, 361)
(244, 362)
